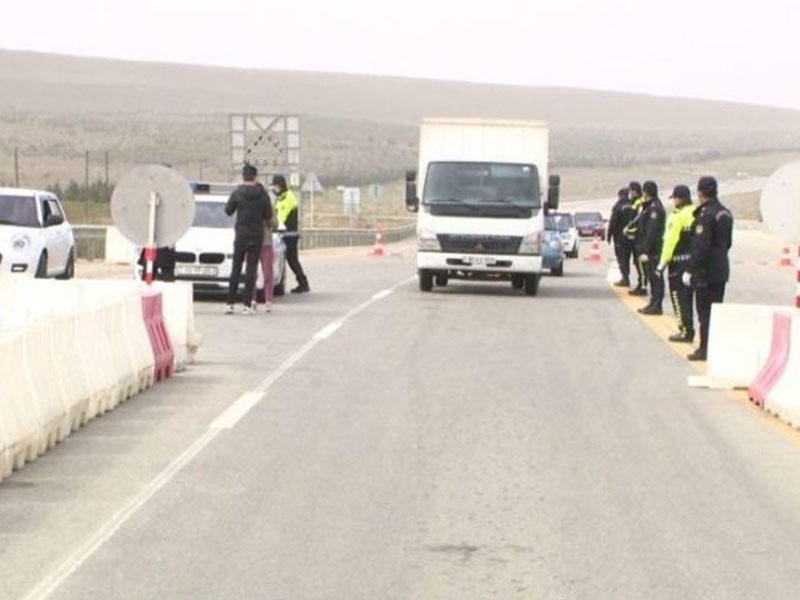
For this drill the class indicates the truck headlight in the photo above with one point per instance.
(531, 243)
(427, 240)
(20, 242)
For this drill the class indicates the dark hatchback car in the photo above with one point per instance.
(590, 224)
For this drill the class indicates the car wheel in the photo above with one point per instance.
(69, 269)
(517, 281)
(531, 284)
(574, 253)
(280, 289)
(425, 280)
(558, 271)
(441, 279)
(41, 267)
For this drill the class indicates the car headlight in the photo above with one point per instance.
(531, 243)
(20, 242)
(427, 240)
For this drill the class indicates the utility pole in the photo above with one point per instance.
(86, 188)
(16, 167)
(106, 171)
(200, 175)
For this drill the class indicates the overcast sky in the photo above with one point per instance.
(743, 51)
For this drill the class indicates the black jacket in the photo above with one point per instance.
(621, 215)
(253, 210)
(712, 235)
(650, 236)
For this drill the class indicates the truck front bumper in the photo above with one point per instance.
(479, 263)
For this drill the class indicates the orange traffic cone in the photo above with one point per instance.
(786, 257)
(377, 249)
(594, 251)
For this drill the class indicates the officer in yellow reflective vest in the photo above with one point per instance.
(286, 210)
(675, 255)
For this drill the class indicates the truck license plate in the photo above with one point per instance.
(478, 260)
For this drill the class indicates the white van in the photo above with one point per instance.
(481, 212)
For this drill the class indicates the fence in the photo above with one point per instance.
(90, 240)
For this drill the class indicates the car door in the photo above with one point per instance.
(56, 239)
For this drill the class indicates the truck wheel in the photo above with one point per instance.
(531, 284)
(517, 281)
(425, 280)
(441, 279)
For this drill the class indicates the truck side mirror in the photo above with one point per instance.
(553, 191)
(412, 201)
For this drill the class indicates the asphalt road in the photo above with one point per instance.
(371, 441)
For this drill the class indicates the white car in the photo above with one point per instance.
(564, 223)
(35, 237)
(204, 255)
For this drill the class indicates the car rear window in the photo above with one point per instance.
(211, 214)
(18, 210)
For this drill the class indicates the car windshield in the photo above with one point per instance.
(588, 217)
(482, 183)
(211, 214)
(559, 222)
(18, 210)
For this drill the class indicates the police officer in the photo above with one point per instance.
(649, 241)
(675, 255)
(708, 269)
(622, 214)
(286, 209)
(630, 232)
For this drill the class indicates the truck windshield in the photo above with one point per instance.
(481, 183)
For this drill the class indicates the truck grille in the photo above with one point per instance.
(479, 244)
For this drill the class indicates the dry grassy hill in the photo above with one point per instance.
(356, 128)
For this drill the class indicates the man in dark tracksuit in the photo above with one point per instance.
(253, 209)
(675, 255)
(709, 269)
(649, 242)
(630, 232)
(621, 215)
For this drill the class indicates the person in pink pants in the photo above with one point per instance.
(267, 258)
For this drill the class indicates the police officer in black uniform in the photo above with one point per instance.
(622, 214)
(631, 232)
(649, 243)
(709, 269)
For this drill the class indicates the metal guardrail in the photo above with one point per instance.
(90, 240)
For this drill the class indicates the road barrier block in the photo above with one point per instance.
(739, 344)
(775, 364)
(69, 371)
(16, 412)
(122, 363)
(96, 364)
(783, 397)
(159, 338)
(178, 309)
(46, 399)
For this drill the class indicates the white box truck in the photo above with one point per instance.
(482, 204)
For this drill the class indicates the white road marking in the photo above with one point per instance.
(224, 421)
(326, 332)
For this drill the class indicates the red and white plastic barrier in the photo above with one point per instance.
(777, 360)
(778, 387)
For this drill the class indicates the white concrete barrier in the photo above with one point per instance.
(96, 363)
(738, 345)
(16, 411)
(46, 400)
(71, 380)
(784, 397)
(118, 249)
(178, 308)
(124, 371)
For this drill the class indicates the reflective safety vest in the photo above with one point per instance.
(677, 235)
